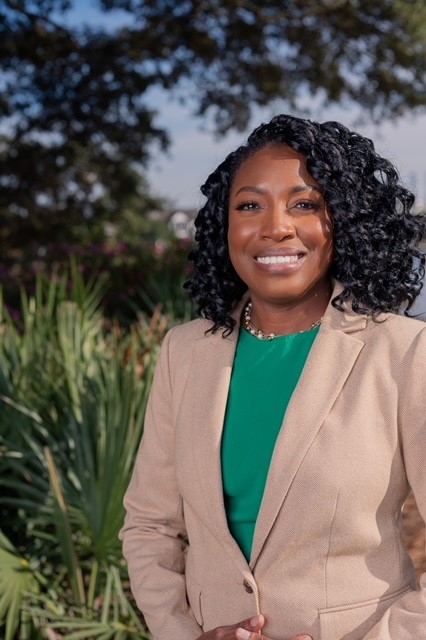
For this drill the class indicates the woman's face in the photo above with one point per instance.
(280, 235)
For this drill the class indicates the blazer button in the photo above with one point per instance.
(247, 586)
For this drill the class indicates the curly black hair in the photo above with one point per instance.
(376, 234)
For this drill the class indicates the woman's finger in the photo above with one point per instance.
(254, 623)
(250, 629)
(245, 634)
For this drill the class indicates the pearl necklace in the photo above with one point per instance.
(258, 333)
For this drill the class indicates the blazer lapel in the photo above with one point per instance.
(209, 384)
(331, 359)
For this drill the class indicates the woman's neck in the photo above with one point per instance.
(288, 317)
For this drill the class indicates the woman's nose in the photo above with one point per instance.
(278, 224)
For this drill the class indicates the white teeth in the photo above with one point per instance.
(277, 259)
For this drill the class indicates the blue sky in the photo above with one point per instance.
(194, 153)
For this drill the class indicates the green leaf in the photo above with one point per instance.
(16, 582)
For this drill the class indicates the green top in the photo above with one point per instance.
(264, 376)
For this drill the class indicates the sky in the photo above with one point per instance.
(195, 153)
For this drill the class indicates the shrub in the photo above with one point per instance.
(73, 392)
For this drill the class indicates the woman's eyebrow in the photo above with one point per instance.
(305, 187)
(251, 189)
(296, 189)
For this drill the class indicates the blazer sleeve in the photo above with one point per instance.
(406, 617)
(153, 534)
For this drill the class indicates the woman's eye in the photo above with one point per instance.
(306, 205)
(250, 205)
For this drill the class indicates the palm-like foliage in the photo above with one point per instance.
(72, 400)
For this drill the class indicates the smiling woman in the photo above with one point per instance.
(286, 427)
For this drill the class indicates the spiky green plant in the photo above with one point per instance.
(73, 394)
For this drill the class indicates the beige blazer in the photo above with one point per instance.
(327, 555)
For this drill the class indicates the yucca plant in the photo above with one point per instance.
(73, 393)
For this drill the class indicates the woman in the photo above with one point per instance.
(285, 426)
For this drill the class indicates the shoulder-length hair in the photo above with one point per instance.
(376, 234)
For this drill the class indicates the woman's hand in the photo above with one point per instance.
(249, 629)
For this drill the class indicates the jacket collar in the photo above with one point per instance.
(347, 320)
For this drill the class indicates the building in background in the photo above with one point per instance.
(179, 221)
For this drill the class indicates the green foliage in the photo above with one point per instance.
(73, 392)
(138, 276)
(16, 578)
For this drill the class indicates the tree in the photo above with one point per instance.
(74, 127)
(77, 130)
(233, 54)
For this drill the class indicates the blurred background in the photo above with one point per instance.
(112, 114)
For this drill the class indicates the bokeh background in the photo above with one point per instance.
(112, 114)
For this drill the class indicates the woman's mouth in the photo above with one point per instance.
(279, 259)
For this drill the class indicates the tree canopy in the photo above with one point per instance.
(76, 129)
